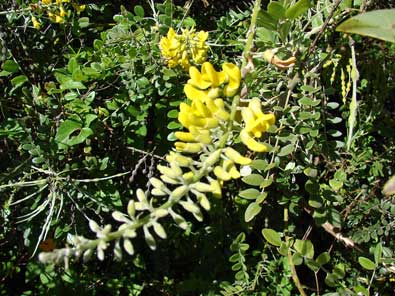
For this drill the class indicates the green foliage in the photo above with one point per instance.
(377, 24)
(89, 110)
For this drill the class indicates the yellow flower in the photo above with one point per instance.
(46, 2)
(36, 23)
(59, 19)
(256, 123)
(79, 8)
(210, 75)
(181, 49)
(188, 147)
(62, 12)
(234, 77)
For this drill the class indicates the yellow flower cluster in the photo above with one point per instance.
(256, 123)
(181, 49)
(57, 13)
(207, 109)
(36, 23)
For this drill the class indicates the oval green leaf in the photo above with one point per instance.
(252, 210)
(366, 263)
(272, 236)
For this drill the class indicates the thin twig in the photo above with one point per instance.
(318, 36)
(145, 153)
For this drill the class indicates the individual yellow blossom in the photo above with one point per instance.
(59, 19)
(188, 147)
(36, 23)
(199, 83)
(62, 12)
(216, 188)
(79, 8)
(46, 2)
(256, 123)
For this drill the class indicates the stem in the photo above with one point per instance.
(294, 274)
(250, 35)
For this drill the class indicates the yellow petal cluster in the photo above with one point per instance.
(57, 10)
(36, 23)
(181, 49)
(206, 109)
(256, 123)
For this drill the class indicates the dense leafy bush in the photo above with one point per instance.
(266, 140)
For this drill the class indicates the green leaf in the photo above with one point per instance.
(139, 10)
(366, 263)
(172, 113)
(288, 149)
(72, 65)
(323, 258)
(378, 252)
(309, 88)
(389, 187)
(259, 164)
(378, 24)
(253, 179)
(83, 22)
(276, 10)
(18, 81)
(249, 193)
(297, 258)
(66, 82)
(312, 265)
(266, 20)
(69, 127)
(283, 249)
(310, 172)
(174, 125)
(189, 22)
(298, 9)
(335, 184)
(272, 236)
(304, 247)
(252, 210)
(10, 66)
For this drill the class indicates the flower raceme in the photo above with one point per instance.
(207, 109)
(180, 50)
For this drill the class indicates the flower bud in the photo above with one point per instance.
(236, 156)
(188, 147)
(179, 192)
(213, 158)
